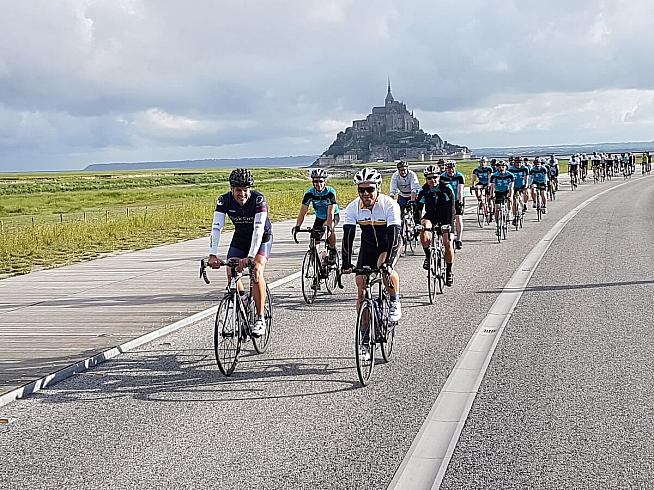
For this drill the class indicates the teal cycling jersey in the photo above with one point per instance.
(321, 200)
(539, 174)
(502, 181)
(483, 174)
(521, 175)
(454, 182)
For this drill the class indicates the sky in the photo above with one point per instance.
(92, 81)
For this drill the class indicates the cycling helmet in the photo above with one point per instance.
(319, 173)
(402, 164)
(241, 177)
(482, 159)
(431, 170)
(511, 159)
(368, 176)
(450, 164)
(501, 163)
(493, 161)
(536, 160)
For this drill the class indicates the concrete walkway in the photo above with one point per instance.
(52, 318)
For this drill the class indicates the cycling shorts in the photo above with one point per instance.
(521, 188)
(264, 249)
(319, 223)
(439, 220)
(540, 185)
(403, 201)
(368, 256)
(458, 208)
(500, 197)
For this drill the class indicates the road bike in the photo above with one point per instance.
(539, 204)
(552, 187)
(437, 268)
(574, 180)
(235, 318)
(315, 266)
(627, 171)
(519, 217)
(609, 172)
(484, 207)
(502, 225)
(373, 325)
(409, 236)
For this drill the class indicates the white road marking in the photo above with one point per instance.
(426, 461)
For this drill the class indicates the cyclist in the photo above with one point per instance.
(404, 185)
(643, 163)
(456, 181)
(493, 164)
(323, 199)
(481, 180)
(573, 167)
(439, 203)
(252, 240)
(521, 175)
(502, 183)
(584, 166)
(538, 182)
(553, 172)
(379, 218)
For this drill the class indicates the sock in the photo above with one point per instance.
(395, 297)
(427, 251)
(448, 267)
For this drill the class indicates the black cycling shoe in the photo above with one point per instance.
(449, 279)
(458, 244)
(425, 264)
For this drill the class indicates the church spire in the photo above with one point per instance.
(389, 95)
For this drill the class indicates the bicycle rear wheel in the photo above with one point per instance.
(432, 276)
(310, 279)
(261, 343)
(331, 282)
(440, 267)
(364, 345)
(505, 223)
(227, 335)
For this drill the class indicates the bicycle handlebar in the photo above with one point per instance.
(308, 230)
(232, 263)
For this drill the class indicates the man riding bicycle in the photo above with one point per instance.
(538, 178)
(501, 187)
(323, 199)
(379, 218)
(481, 180)
(439, 203)
(521, 175)
(404, 185)
(553, 172)
(573, 167)
(252, 240)
(456, 181)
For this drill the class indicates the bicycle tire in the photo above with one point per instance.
(227, 335)
(262, 343)
(331, 281)
(432, 273)
(310, 277)
(481, 218)
(388, 329)
(498, 227)
(440, 267)
(365, 321)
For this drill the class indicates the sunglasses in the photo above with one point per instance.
(318, 181)
(432, 177)
(369, 190)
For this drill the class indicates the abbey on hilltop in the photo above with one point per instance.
(389, 133)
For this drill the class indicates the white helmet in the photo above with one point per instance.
(368, 176)
(482, 159)
(318, 173)
(431, 170)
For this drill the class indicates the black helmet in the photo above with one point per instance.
(402, 164)
(241, 177)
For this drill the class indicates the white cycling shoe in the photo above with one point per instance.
(259, 327)
(395, 311)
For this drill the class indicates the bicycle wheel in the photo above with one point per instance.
(498, 227)
(364, 345)
(227, 337)
(432, 276)
(440, 267)
(310, 279)
(505, 224)
(261, 343)
(331, 281)
(388, 329)
(480, 215)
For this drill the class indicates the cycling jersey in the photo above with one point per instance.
(502, 181)
(553, 168)
(380, 229)
(321, 200)
(483, 174)
(538, 174)
(520, 174)
(252, 225)
(454, 181)
(438, 202)
(404, 185)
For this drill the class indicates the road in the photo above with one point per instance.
(566, 401)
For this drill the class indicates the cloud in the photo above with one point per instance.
(96, 78)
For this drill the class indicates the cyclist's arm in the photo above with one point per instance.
(415, 186)
(393, 233)
(331, 209)
(417, 211)
(257, 232)
(349, 231)
(216, 229)
(393, 189)
(304, 209)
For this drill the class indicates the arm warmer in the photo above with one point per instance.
(393, 235)
(348, 243)
(257, 233)
(216, 228)
(393, 189)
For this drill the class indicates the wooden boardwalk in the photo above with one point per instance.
(52, 318)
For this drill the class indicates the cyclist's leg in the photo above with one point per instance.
(235, 253)
(259, 287)
(394, 287)
(425, 239)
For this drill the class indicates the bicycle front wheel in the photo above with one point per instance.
(310, 277)
(364, 345)
(331, 282)
(261, 343)
(481, 218)
(432, 276)
(440, 267)
(388, 328)
(227, 337)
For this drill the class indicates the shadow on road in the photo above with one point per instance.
(565, 287)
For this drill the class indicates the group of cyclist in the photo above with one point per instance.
(436, 206)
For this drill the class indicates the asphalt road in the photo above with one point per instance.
(565, 403)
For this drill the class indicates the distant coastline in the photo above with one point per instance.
(291, 161)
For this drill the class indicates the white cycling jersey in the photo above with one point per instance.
(373, 222)
(404, 185)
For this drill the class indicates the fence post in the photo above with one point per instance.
(106, 215)
(2, 226)
(32, 221)
(61, 218)
(84, 215)
(145, 215)
(127, 212)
